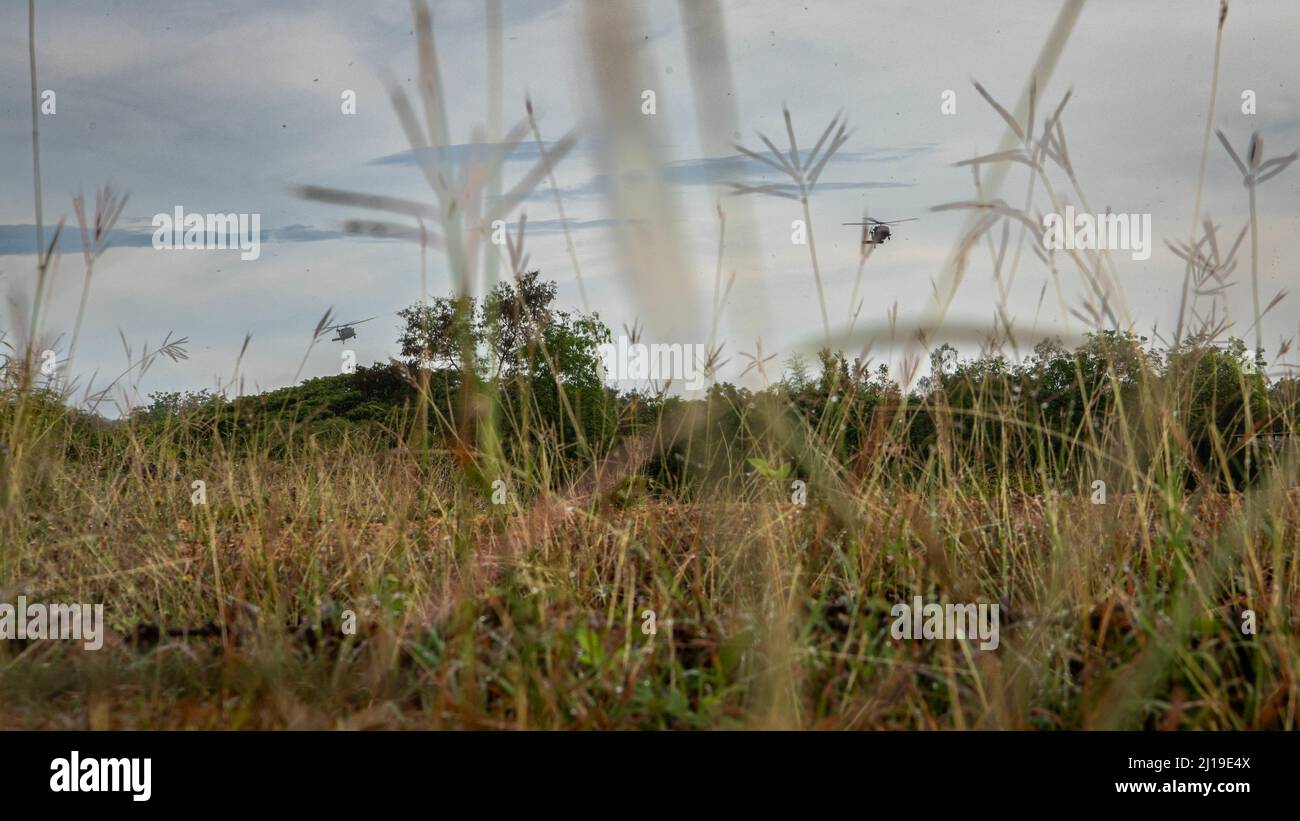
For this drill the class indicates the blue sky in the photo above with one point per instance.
(229, 111)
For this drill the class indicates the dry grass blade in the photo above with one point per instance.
(549, 165)
(789, 130)
(770, 190)
(417, 139)
(1232, 153)
(1014, 155)
(374, 202)
(761, 158)
(1277, 164)
(435, 111)
(391, 230)
(812, 155)
(541, 170)
(629, 150)
(841, 137)
(1006, 115)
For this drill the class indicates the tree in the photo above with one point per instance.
(529, 351)
(438, 332)
(516, 319)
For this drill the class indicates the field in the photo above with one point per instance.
(483, 534)
(534, 613)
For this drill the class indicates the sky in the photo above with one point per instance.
(230, 109)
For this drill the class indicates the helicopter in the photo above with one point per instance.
(875, 232)
(344, 330)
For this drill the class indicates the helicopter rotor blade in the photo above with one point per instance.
(347, 324)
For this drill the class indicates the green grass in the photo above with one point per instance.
(531, 613)
(366, 501)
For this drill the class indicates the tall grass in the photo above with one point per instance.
(977, 484)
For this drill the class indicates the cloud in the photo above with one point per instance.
(461, 152)
(300, 233)
(742, 169)
(738, 168)
(557, 226)
(792, 189)
(21, 239)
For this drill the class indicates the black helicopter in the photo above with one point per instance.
(344, 330)
(875, 232)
